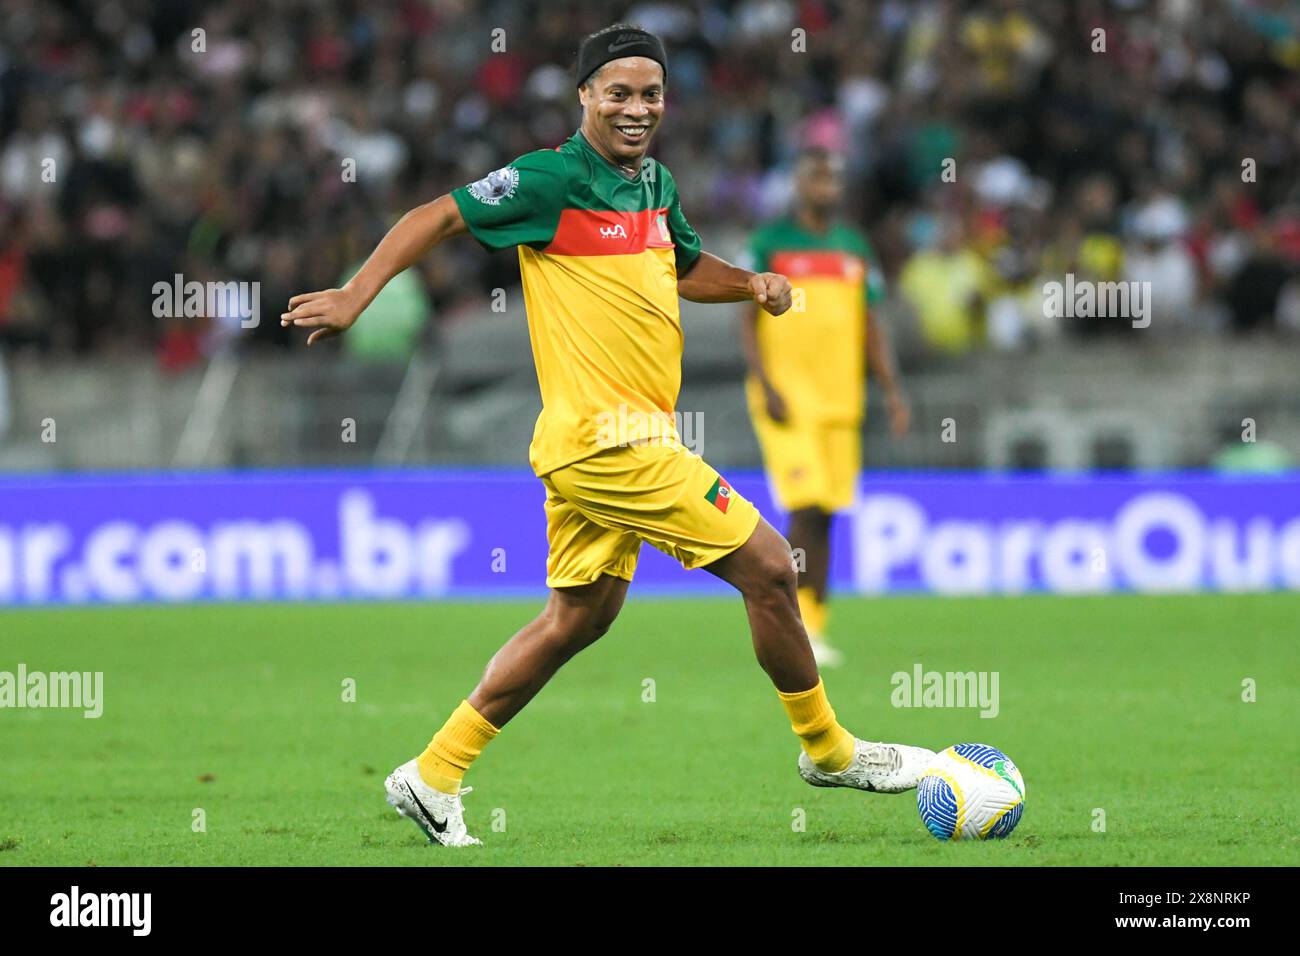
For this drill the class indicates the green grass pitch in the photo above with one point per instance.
(1129, 705)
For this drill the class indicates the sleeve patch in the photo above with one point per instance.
(495, 186)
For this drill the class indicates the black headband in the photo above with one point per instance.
(598, 50)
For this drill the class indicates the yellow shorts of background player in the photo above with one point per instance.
(600, 509)
(810, 463)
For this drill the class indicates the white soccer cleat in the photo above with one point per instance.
(440, 816)
(824, 654)
(880, 768)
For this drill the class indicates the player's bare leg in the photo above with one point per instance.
(427, 789)
(574, 618)
(810, 534)
(762, 570)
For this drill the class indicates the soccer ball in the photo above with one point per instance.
(971, 792)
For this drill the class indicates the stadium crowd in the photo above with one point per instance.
(992, 145)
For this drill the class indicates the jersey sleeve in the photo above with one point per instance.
(685, 238)
(519, 204)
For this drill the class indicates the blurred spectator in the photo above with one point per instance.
(1255, 293)
(270, 141)
(944, 286)
(23, 317)
(1157, 254)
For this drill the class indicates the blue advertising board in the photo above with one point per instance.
(425, 534)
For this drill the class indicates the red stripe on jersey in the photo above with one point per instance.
(590, 232)
(826, 263)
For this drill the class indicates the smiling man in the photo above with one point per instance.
(604, 253)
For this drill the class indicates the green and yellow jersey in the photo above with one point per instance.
(599, 255)
(816, 359)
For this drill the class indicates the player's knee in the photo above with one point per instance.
(783, 574)
(574, 630)
(774, 573)
(599, 626)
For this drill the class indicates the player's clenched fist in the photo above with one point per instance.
(330, 312)
(771, 290)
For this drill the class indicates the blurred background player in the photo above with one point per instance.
(807, 371)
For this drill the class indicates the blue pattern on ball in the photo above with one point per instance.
(938, 806)
(982, 754)
(1008, 823)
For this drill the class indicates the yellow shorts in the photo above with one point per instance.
(600, 509)
(810, 464)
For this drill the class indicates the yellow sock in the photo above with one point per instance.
(454, 748)
(813, 613)
(828, 745)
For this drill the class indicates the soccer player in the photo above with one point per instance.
(807, 372)
(604, 253)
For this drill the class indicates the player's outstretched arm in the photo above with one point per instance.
(711, 279)
(333, 311)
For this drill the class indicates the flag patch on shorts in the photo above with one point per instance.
(719, 495)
